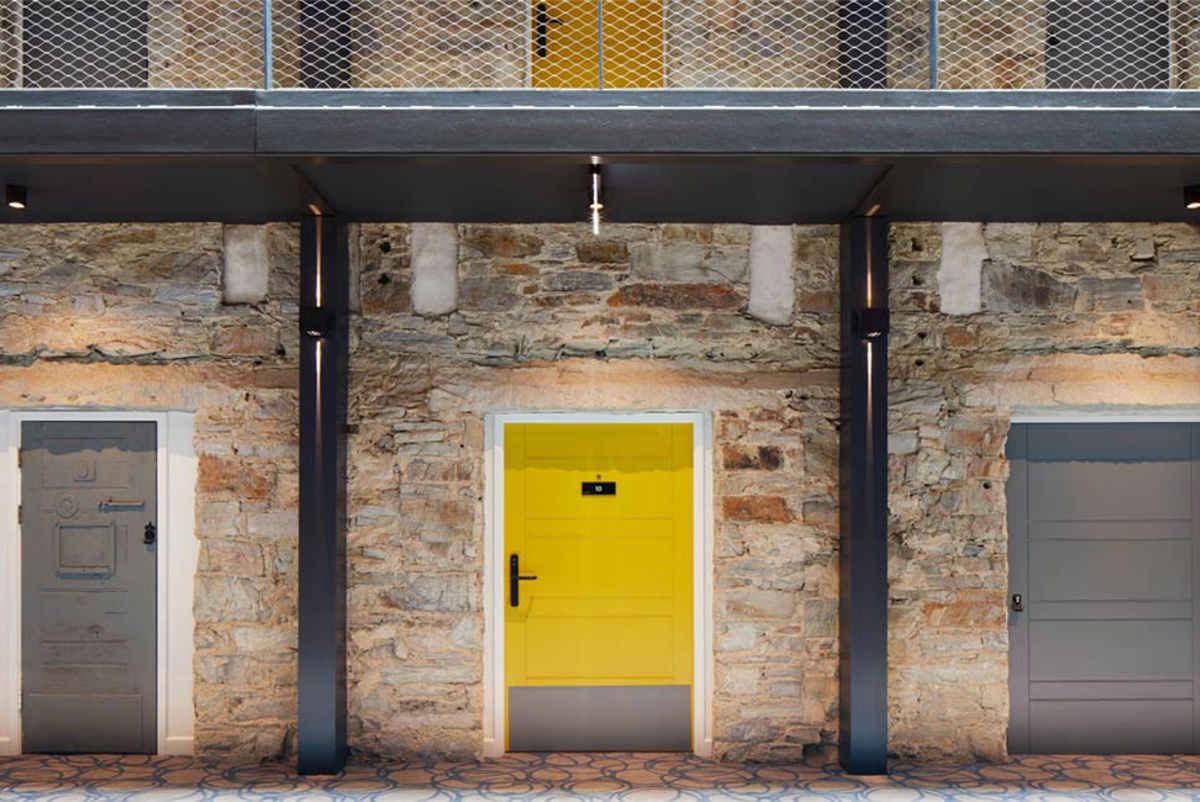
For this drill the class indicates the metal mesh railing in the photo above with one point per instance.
(601, 43)
(399, 43)
(131, 43)
(897, 44)
(1068, 44)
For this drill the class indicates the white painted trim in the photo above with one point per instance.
(494, 563)
(177, 555)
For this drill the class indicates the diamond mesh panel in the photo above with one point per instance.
(400, 43)
(983, 44)
(131, 43)
(1068, 44)
(609, 44)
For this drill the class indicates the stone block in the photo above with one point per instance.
(600, 251)
(579, 281)
(1013, 288)
(247, 267)
(754, 604)
(221, 475)
(245, 341)
(961, 269)
(504, 241)
(432, 592)
(228, 599)
(757, 509)
(677, 296)
(689, 262)
(762, 458)
(772, 274)
(1109, 294)
(434, 268)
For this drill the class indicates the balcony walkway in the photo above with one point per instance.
(641, 777)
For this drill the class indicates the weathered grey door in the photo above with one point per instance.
(88, 578)
(1103, 527)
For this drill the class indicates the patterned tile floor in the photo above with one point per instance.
(625, 777)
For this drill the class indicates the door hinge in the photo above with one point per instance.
(20, 513)
(20, 457)
(21, 700)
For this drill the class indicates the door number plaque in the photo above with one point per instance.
(599, 488)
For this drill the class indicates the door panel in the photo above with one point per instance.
(1103, 521)
(569, 35)
(612, 603)
(88, 587)
(1110, 726)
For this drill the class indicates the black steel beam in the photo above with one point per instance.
(820, 123)
(863, 490)
(742, 130)
(324, 360)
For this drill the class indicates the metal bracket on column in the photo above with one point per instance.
(863, 491)
(872, 323)
(324, 362)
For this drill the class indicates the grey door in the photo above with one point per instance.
(1103, 526)
(88, 580)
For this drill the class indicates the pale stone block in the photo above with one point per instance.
(960, 273)
(244, 280)
(688, 261)
(772, 274)
(435, 268)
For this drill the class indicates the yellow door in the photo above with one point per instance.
(567, 43)
(598, 648)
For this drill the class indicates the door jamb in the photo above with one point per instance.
(494, 564)
(177, 556)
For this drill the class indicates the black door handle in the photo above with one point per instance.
(514, 580)
(542, 21)
(150, 533)
(1018, 603)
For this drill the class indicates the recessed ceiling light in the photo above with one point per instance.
(1191, 196)
(16, 196)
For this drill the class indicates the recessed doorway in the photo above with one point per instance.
(598, 577)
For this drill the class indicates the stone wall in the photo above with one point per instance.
(1047, 316)
(549, 317)
(1003, 318)
(130, 316)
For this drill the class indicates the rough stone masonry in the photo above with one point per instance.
(643, 317)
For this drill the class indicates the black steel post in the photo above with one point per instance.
(864, 546)
(324, 360)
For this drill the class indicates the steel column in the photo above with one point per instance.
(324, 359)
(864, 589)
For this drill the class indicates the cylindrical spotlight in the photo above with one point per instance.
(595, 195)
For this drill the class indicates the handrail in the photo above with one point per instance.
(268, 47)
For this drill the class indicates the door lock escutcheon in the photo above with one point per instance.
(515, 579)
(1018, 603)
(150, 534)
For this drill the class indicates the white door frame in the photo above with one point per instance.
(177, 552)
(494, 562)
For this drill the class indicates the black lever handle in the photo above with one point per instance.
(542, 20)
(514, 580)
(150, 533)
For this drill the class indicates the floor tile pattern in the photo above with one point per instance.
(624, 777)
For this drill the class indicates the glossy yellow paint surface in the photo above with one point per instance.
(612, 604)
(632, 41)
